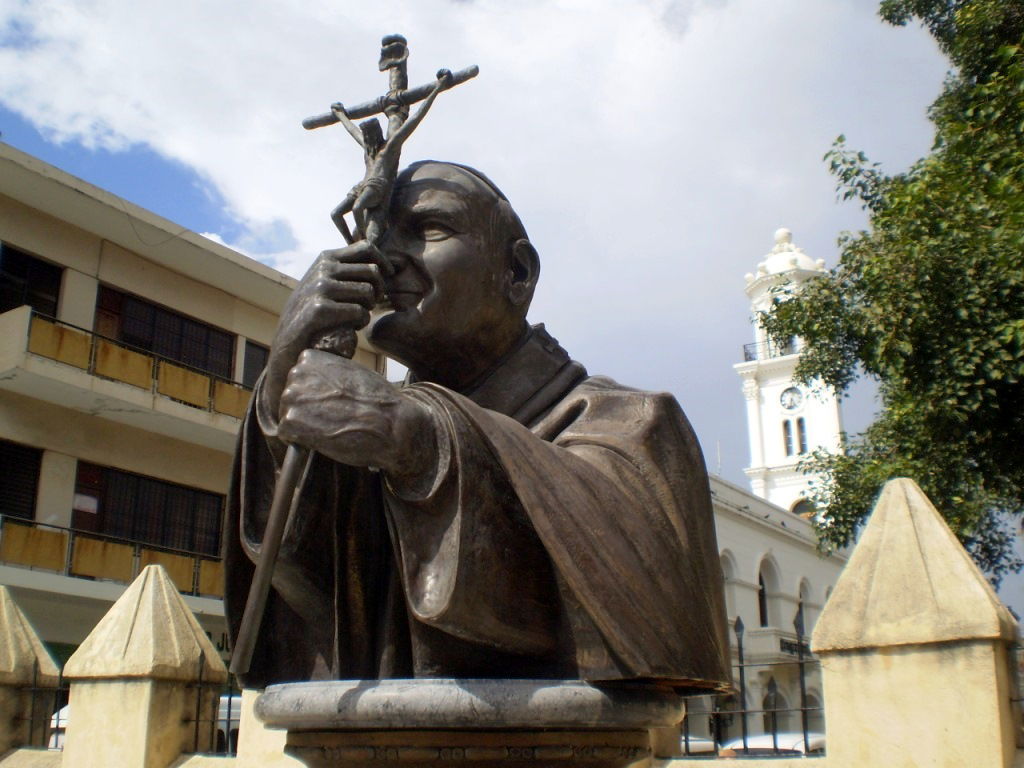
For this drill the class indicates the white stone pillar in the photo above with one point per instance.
(56, 488)
(78, 299)
(23, 661)
(134, 692)
(914, 648)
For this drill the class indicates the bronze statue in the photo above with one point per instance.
(502, 514)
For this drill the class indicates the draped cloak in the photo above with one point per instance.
(567, 533)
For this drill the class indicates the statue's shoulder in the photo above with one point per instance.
(605, 385)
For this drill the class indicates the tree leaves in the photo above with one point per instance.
(930, 301)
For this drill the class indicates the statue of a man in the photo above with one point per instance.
(501, 515)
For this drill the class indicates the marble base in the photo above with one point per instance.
(434, 723)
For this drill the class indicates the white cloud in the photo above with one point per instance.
(651, 148)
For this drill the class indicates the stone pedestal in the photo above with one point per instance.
(24, 663)
(441, 722)
(135, 681)
(914, 648)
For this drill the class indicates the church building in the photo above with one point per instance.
(786, 420)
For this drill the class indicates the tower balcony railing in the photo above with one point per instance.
(99, 557)
(118, 361)
(766, 350)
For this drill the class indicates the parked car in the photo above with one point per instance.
(696, 745)
(788, 743)
(228, 716)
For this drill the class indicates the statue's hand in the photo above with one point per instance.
(333, 299)
(356, 417)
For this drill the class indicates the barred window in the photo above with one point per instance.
(147, 510)
(256, 356)
(164, 332)
(19, 480)
(24, 279)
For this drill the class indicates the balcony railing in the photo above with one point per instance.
(765, 350)
(111, 359)
(88, 555)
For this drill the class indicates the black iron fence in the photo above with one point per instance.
(215, 731)
(733, 724)
(47, 713)
(765, 350)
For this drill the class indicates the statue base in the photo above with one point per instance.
(441, 722)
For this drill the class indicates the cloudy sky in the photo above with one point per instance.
(652, 147)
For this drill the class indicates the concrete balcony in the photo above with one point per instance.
(66, 579)
(763, 645)
(74, 368)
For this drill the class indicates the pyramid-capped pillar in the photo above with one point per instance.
(134, 689)
(24, 663)
(914, 646)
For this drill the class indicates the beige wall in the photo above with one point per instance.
(90, 260)
(73, 433)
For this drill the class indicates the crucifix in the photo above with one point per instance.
(368, 201)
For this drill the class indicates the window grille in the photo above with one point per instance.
(24, 279)
(164, 332)
(151, 511)
(19, 480)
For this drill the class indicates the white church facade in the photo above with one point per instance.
(786, 420)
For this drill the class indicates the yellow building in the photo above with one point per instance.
(128, 347)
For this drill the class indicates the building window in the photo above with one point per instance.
(801, 434)
(255, 361)
(19, 480)
(164, 332)
(762, 600)
(787, 436)
(146, 510)
(25, 279)
(803, 508)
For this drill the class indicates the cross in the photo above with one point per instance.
(393, 55)
(369, 200)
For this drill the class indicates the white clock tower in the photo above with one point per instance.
(785, 420)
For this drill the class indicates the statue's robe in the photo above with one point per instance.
(567, 533)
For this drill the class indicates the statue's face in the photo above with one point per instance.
(451, 313)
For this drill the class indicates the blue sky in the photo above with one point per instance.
(135, 172)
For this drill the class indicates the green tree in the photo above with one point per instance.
(930, 300)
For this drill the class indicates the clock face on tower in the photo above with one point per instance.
(791, 398)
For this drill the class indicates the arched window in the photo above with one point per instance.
(815, 715)
(802, 508)
(801, 434)
(762, 600)
(729, 577)
(776, 709)
(768, 593)
(787, 436)
(804, 598)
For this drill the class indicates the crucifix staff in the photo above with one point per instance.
(369, 202)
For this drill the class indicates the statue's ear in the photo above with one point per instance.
(525, 269)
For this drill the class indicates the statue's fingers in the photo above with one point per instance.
(360, 252)
(326, 315)
(362, 292)
(367, 274)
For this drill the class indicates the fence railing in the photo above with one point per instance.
(727, 725)
(97, 556)
(765, 350)
(116, 360)
(50, 714)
